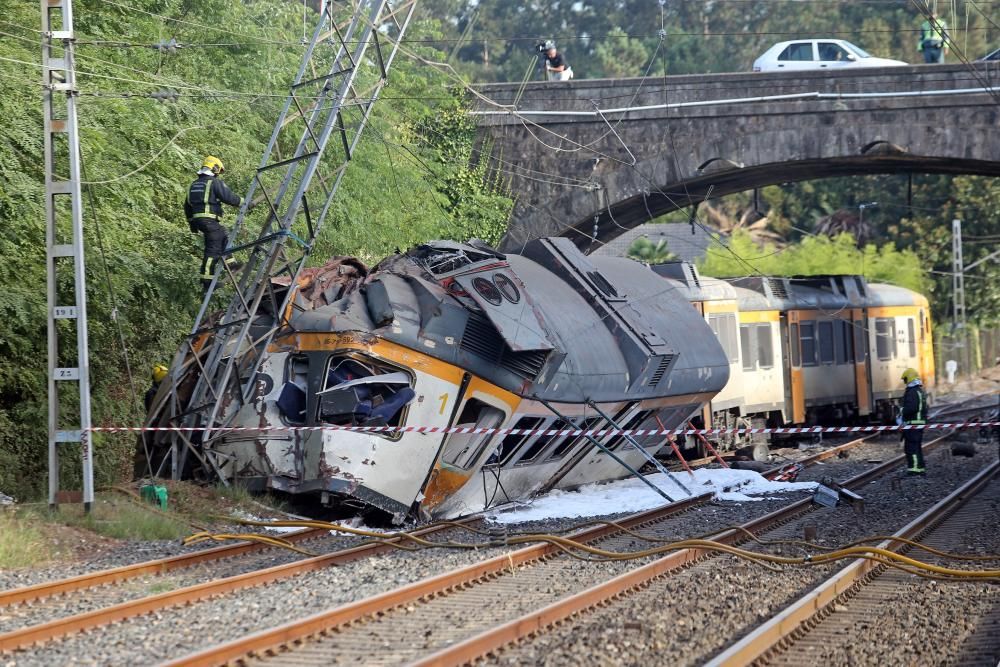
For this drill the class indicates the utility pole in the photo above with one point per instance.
(957, 277)
(69, 419)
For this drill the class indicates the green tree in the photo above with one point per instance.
(140, 155)
(618, 56)
(817, 255)
(645, 250)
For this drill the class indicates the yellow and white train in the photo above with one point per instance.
(808, 350)
(545, 341)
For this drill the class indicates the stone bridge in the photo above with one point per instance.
(606, 155)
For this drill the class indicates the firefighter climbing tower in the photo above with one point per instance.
(339, 80)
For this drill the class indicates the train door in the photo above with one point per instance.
(796, 386)
(862, 370)
(706, 408)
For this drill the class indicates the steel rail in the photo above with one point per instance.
(821, 456)
(767, 636)
(158, 566)
(35, 634)
(289, 632)
(295, 631)
(479, 645)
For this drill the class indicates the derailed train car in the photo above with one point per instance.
(452, 334)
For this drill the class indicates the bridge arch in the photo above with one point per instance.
(684, 139)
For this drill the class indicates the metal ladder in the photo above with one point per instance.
(317, 108)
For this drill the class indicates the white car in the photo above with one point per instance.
(802, 54)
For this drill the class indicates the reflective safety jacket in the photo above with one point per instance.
(914, 404)
(931, 35)
(206, 196)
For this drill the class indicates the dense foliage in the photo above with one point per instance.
(497, 40)
(412, 179)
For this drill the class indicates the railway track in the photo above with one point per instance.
(464, 614)
(33, 615)
(832, 624)
(111, 605)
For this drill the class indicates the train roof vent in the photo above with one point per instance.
(661, 369)
(860, 282)
(483, 340)
(777, 287)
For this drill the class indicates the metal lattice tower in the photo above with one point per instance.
(337, 84)
(957, 276)
(64, 248)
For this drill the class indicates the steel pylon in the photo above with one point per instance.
(341, 75)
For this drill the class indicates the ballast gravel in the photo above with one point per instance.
(175, 632)
(687, 617)
(41, 611)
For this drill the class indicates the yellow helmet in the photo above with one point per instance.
(909, 375)
(213, 163)
(159, 372)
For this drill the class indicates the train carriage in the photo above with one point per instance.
(452, 334)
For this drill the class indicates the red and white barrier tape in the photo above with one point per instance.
(548, 432)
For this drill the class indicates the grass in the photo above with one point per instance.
(22, 542)
(121, 518)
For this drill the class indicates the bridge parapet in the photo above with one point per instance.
(684, 138)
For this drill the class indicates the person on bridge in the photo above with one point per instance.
(933, 39)
(203, 209)
(914, 413)
(556, 68)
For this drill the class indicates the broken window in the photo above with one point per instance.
(359, 391)
(569, 443)
(543, 440)
(462, 450)
(292, 399)
(510, 443)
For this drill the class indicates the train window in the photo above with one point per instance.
(838, 342)
(845, 349)
(885, 338)
(463, 449)
(292, 399)
(651, 424)
(724, 327)
(568, 443)
(542, 441)
(860, 343)
(765, 347)
(746, 345)
(361, 391)
(825, 331)
(911, 337)
(619, 441)
(510, 443)
(794, 340)
(807, 336)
